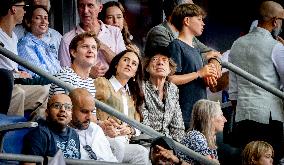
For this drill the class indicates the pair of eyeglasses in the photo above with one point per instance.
(58, 105)
(91, 153)
(25, 6)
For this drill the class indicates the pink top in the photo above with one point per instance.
(108, 35)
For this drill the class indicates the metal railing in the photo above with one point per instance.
(40, 160)
(253, 79)
(148, 130)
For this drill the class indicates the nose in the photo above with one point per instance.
(225, 120)
(114, 20)
(85, 9)
(202, 23)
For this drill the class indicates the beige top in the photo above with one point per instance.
(106, 93)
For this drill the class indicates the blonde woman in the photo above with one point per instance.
(258, 153)
(206, 121)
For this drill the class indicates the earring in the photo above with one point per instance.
(133, 78)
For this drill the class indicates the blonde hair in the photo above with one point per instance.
(254, 150)
(203, 113)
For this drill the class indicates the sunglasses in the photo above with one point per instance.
(91, 153)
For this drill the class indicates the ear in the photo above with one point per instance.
(100, 8)
(73, 53)
(186, 21)
(13, 9)
(46, 112)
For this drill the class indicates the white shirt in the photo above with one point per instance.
(116, 86)
(95, 137)
(10, 44)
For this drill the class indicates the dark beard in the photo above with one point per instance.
(275, 32)
(79, 125)
(54, 125)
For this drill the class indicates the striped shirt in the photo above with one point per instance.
(68, 75)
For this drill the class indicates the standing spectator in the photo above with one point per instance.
(54, 133)
(113, 14)
(191, 71)
(166, 32)
(32, 48)
(91, 135)
(257, 153)
(23, 96)
(161, 109)
(206, 121)
(111, 40)
(259, 113)
(122, 90)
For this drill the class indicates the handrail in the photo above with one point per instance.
(40, 159)
(253, 79)
(148, 130)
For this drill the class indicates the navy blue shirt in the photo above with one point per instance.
(188, 60)
(45, 141)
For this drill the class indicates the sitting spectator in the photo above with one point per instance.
(191, 70)
(206, 121)
(257, 153)
(163, 151)
(54, 133)
(6, 88)
(51, 37)
(83, 50)
(161, 109)
(111, 41)
(23, 96)
(113, 14)
(91, 135)
(121, 89)
(32, 48)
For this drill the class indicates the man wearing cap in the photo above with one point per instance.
(163, 151)
(259, 114)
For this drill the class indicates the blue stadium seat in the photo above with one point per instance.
(12, 131)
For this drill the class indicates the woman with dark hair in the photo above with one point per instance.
(121, 89)
(113, 14)
(33, 48)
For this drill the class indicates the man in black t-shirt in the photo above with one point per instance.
(54, 134)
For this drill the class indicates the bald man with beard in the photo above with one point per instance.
(94, 144)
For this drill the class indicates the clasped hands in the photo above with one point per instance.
(112, 129)
(212, 71)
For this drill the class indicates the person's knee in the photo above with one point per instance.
(18, 92)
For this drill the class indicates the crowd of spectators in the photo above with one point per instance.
(163, 86)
